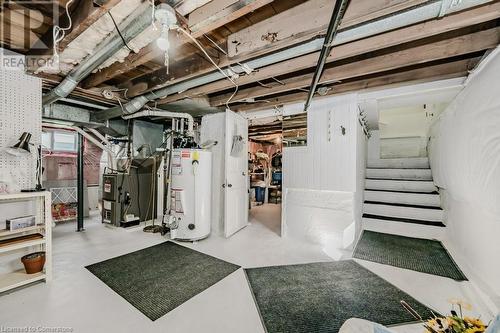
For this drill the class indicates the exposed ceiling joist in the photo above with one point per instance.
(412, 56)
(306, 21)
(416, 75)
(389, 39)
(149, 53)
(158, 79)
(132, 61)
(220, 12)
(86, 14)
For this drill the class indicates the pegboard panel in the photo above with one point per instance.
(20, 111)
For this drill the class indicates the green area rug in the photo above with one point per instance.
(157, 279)
(320, 297)
(421, 255)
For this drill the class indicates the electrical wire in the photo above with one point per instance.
(153, 13)
(213, 63)
(59, 33)
(119, 32)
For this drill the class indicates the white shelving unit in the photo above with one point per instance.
(43, 220)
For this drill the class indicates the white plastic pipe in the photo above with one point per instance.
(89, 137)
(107, 144)
(165, 114)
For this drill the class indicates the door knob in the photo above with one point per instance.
(229, 185)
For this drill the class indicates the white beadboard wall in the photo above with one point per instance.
(328, 162)
(332, 165)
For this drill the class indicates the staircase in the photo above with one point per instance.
(401, 199)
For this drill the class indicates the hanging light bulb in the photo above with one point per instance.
(162, 42)
(165, 15)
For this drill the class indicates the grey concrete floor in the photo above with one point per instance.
(76, 299)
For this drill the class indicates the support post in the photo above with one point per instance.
(80, 183)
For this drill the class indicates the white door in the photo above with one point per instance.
(236, 171)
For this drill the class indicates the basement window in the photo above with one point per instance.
(59, 141)
(64, 141)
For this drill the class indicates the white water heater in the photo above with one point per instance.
(191, 195)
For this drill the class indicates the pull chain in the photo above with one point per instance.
(166, 62)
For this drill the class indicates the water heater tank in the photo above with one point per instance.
(191, 196)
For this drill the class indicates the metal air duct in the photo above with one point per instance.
(428, 11)
(130, 28)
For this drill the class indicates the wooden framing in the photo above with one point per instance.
(426, 73)
(416, 55)
(386, 40)
(86, 15)
(221, 12)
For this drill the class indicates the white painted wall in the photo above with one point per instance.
(361, 159)
(436, 95)
(404, 131)
(328, 162)
(212, 128)
(321, 177)
(465, 160)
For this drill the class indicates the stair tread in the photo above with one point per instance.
(393, 191)
(405, 229)
(404, 220)
(405, 169)
(402, 180)
(401, 205)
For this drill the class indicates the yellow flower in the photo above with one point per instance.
(475, 330)
(475, 322)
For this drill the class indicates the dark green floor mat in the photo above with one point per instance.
(421, 255)
(320, 297)
(157, 279)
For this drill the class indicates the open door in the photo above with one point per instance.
(236, 179)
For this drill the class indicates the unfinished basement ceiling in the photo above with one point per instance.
(85, 43)
(419, 41)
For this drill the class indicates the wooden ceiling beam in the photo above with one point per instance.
(370, 9)
(86, 14)
(133, 60)
(385, 40)
(412, 76)
(452, 47)
(217, 13)
(306, 21)
(213, 19)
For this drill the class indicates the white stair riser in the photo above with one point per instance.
(404, 229)
(396, 163)
(398, 185)
(421, 174)
(421, 199)
(424, 214)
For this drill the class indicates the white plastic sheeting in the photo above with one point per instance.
(464, 153)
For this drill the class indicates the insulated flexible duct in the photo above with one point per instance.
(130, 28)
